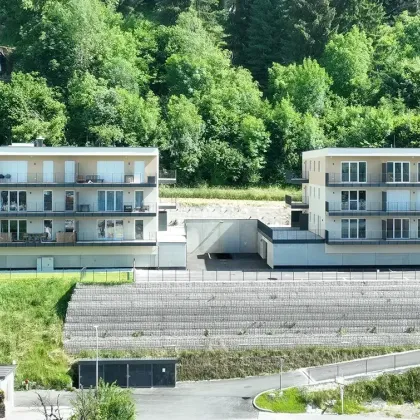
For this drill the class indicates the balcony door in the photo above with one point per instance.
(398, 200)
(48, 171)
(139, 176)
(69, 171)
(111, 171)
(16, 228)
(110, 200)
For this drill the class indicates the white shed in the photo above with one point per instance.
(7, 385)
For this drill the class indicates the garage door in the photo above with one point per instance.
(398, 200)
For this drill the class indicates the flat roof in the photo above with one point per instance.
(130, 359)
(362, 151)
(77, 151)
(6, 370)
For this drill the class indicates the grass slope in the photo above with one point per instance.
(393, 388)
(32, 312)
(221, 193)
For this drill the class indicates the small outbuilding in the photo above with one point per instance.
(7, 385)
(129, 373)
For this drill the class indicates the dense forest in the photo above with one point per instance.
(231, 90)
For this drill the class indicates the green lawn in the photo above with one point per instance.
(290, 401)
(32, 311)
(223, 193)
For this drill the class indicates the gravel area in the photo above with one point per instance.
(270, 212)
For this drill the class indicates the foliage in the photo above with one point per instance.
(289, 401)
(393, 388)
(231, 91)
(108, 402)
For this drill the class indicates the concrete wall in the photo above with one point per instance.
(218, 236)
(80, 256)
(172, 255)
(316, 255)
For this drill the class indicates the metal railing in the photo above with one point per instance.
(41, 207)
(372, 206)
(388, 236)
(72, 178)
(73, 238)
(167, 174)
(371, 178)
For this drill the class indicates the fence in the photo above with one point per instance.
(84, 275)
(273, 275)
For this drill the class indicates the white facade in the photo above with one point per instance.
(84, 207)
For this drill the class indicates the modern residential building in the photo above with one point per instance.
(83, 207)
(360, 207)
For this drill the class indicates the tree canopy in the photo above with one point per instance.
(231, 91)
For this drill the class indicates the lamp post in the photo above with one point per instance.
(97, 356)
(281, 376)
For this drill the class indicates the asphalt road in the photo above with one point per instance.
(230, 399)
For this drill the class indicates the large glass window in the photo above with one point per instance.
(110, 200)
(353, 228)
(13, 201)
(397, 172)
(398, 228)
(138, 198)
(48, 206)
(16, 228)
(353, 200)
(110, 229)
(69, 200)
(48, 229)
(353, 171)
(139, 229)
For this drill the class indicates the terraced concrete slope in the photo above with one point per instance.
(238, 314)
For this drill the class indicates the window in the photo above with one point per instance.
(310, 191)
(397, 172)
(48, 229)
(13, 201)
(139, 230)
(310, 165)
(353, 228)
(418, 228)
(319, 193)
(353, 200)
(16, 228)
(138, 199)
(110, 229)
(398, 228)
(110, 200)
(353, 171)
(319, 166)
(69, 200)
(48, 201)
(69, 226)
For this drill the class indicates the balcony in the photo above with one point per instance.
(167, 176)
(297, 205)
(361, 208)
(41, 209)
(299, 180)
(372, 180)
(61, 179)
(383, 237)
(73, 239)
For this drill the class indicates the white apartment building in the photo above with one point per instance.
(360, 207)
(67, 207)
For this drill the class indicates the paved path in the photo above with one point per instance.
(232, 399)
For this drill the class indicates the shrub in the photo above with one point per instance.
(109, 402)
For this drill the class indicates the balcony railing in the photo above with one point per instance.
(377, 208)
(373, 237)
(81, 179)
(304, 204)
(85, 207)
(371, 178)
(74, 238)
(299, 179)
(167, 176)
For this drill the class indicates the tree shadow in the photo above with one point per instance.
(63, 302)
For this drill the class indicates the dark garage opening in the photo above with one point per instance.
(129, 373)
